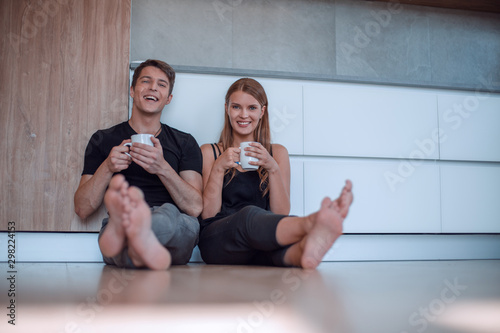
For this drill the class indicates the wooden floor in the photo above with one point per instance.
(351, 297)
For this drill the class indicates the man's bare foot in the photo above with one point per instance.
(113, 239)
(144, 247)
(325, 231)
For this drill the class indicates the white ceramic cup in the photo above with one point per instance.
(140, 138)
(245, 159)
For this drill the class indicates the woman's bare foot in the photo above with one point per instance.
(325, 231)
(318, 232)
(345, 199)
(327, 227)
(113, 239)
(144, 247)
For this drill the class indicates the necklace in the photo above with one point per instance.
(158, 131)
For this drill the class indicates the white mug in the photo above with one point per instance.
(140, 138)
(245, 159)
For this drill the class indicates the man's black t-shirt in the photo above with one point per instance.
(180, 150)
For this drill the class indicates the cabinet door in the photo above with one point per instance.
(410, 207)
(358, 120)
(470, 127)
(470, 198)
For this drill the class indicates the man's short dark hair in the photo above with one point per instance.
(163, 66)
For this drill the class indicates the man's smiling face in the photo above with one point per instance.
(151, 91)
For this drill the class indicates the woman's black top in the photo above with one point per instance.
(240, 191)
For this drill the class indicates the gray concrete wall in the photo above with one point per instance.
(339, 40)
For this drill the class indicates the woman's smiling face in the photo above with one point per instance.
(244, 113)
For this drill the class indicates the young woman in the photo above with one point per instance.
(245, 213)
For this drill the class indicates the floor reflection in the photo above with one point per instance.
(350, 297)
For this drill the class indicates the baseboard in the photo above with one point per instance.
(82, 247)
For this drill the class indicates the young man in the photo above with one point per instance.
(153, 195)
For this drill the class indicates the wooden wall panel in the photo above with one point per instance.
(64, 74)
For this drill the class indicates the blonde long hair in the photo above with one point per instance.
(262, 132)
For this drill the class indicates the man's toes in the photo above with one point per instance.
(135, 194)
(116, 182)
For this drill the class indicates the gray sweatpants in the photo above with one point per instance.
(176, 231)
